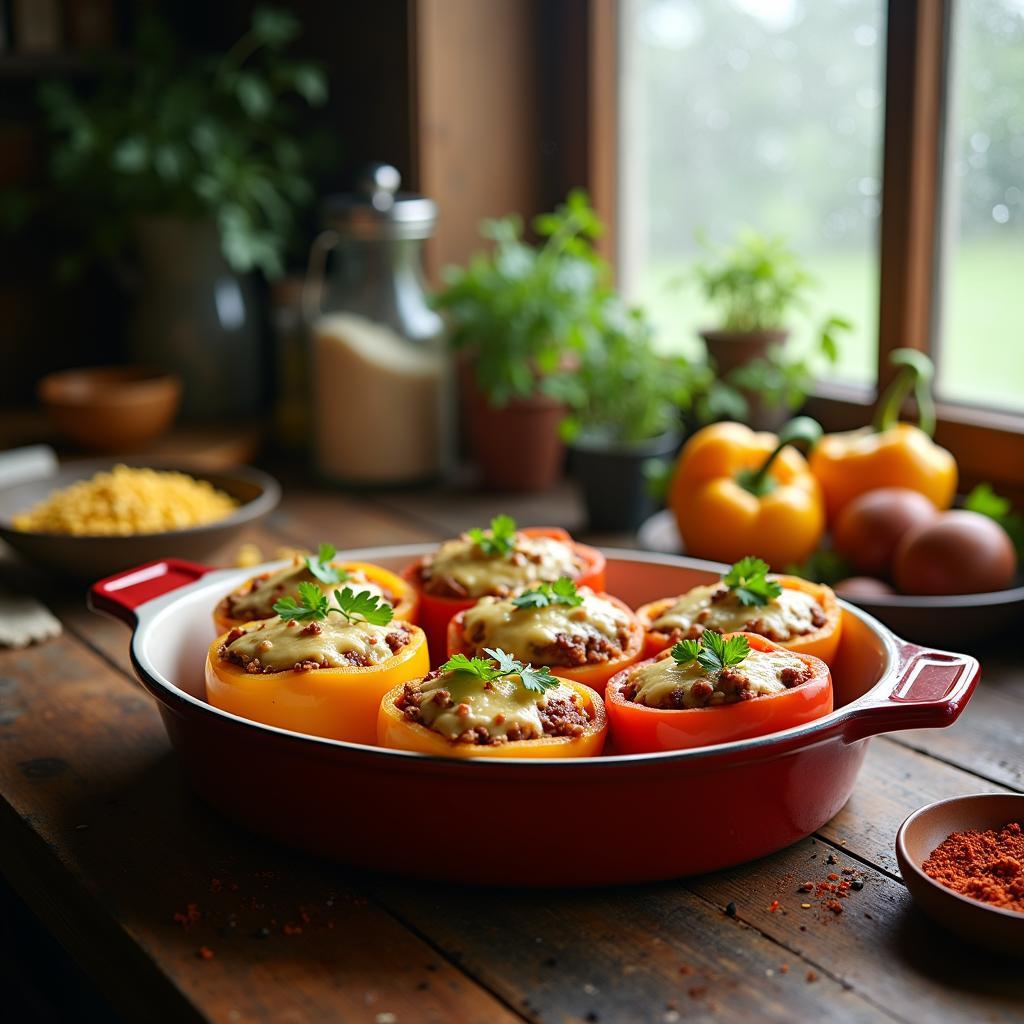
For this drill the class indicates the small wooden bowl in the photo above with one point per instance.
(111, 408)
(993, 927)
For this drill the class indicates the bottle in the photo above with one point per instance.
(378, 368)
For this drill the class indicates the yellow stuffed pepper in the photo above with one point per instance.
(317, 667)
(889, 453)
(736, 492)
(255, 598)
(493, 707)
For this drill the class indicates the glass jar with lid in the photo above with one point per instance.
(379, 374)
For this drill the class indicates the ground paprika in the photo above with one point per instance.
(987, 866)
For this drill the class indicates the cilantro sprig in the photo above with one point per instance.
(713, 652)
(354, 606)
(322, 569)
(499, 540)
(562, 591)
(537, 680)
(748, 580)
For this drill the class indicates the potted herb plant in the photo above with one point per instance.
(519, 315)
(196, 164)
(756, 285)
(625, 400)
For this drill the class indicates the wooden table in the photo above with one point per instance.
(170, 913)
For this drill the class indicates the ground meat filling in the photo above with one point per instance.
(592, 633)
(256, 598)
(256, 657)
(461, 570)
(555, 713)
(791, 615)
(666, 685)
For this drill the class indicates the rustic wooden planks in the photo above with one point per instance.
(80, 746)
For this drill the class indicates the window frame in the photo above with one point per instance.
(988, 445)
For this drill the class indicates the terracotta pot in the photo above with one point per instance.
(729, 350)
(733, 349)
(517, 446)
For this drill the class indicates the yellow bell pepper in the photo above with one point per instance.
(889, 453)
(736, 492)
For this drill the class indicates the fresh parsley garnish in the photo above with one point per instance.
(322, 569)
(748, 580)
(713, 652)
(362, 605)
(499, 540)
(537, 680)
(312, 604)
(355, 606)
(562, 591)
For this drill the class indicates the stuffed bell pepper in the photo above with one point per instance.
(495, 706)
(576, 633)
(319, 666)
(495, 562)
(796, 614)
(255, 598)
(715, 690)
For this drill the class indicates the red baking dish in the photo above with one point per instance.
(609, 820)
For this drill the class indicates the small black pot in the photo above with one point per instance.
(613, 480)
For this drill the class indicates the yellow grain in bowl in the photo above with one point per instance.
(128, 500)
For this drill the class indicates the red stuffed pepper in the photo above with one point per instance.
(495, 562)
(715, 690)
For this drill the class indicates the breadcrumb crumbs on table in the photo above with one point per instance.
(126, 501)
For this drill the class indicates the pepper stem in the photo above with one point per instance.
(915, 375)
(800, 429)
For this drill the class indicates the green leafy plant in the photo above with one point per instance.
(983, 499)
(538, 680)
(518, 309)
(561, 592)
(623, 389)
(191, 137)
(713, 652)
(498, 540)
(757, 284)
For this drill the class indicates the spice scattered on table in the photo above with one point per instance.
(205, 953)
(984, 865)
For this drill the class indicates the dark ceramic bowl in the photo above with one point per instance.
(992, 927)
(953, 620)
(90, 557)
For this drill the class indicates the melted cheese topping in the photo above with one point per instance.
(523, 631)
(281, 644)
(532, 560)
(786, 616)
(258, 603)
(666, 684)
(498, 706)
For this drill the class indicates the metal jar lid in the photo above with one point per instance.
(378, 211)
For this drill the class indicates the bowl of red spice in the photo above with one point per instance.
(963, 861)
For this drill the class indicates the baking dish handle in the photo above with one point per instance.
(121, 594)
(932, 688)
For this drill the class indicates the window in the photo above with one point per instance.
(766, 113)
(981, 353)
